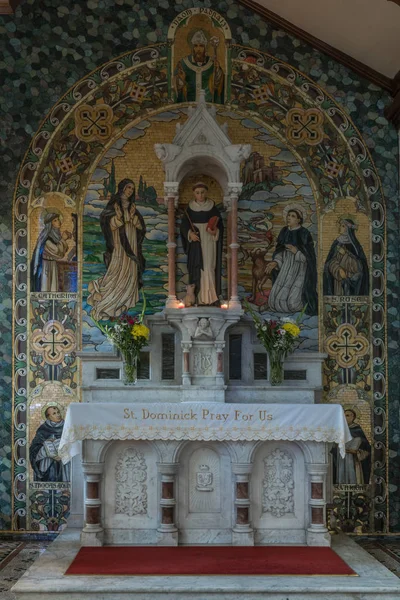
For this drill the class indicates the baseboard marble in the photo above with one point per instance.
(45, 580)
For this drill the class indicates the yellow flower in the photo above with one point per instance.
(140, 330)
(291, 328)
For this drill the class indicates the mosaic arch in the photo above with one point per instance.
(306, 152)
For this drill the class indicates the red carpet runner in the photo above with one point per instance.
(208, 560)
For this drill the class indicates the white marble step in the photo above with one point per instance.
(45, 580)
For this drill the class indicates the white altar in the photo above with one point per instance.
(204, 473)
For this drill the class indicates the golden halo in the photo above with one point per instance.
(353, 409)
(46, 406)
(346, 217)
(49, 210)
(297, 207)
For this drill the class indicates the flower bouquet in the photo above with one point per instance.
(278, 337)
(128, 334)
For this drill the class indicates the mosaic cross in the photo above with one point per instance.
(305, 126)
(346, 345)
(333, 169)
(54, 341)
(93, 122)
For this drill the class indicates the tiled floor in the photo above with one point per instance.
(386, 551)
(16, 557)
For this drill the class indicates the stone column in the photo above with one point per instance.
(219, 378)
(227, 205)
(234, 191)
(317, 532)
(171, 201)
(92, 534)
(242, 532)
(186, 379)
(167, 530)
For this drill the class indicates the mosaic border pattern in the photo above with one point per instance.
(82, 90)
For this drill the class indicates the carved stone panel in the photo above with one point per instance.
(205, 479)
(204, 476)
(203, 361)
(131, 478)
(278, 484)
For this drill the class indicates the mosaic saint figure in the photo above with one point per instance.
(51, 248)
(199, 71)
(43, 451)
(124, 229)
(202, 238)
(294, 268)
(346, 268)
(355, 467)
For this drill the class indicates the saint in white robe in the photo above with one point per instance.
(118, 290)
(286, 293)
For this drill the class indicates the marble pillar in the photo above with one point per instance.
(242, 531)
(186, 378)
(92, 533)
(317, 532)
(234, 191)
(167, 529)
(171, 201)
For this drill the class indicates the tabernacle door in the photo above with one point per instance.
(205, 503)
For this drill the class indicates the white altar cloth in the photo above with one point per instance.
(194, 421)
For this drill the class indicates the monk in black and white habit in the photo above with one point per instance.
(202, 238)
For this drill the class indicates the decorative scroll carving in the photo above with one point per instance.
(278, 484)
(130, 477)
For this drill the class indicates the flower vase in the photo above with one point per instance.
(129, 370)
(276, 372)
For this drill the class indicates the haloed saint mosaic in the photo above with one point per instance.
(311, 233)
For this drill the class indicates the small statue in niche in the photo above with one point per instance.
(202, 238)
(190, 298)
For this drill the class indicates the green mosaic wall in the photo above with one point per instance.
(47, 47)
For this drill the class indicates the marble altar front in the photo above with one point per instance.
(204, 473)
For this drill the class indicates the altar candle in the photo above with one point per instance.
(181, 305)
(224, 305)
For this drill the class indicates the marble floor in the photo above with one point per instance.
(45, 580)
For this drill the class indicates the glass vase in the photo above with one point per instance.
(129, 370)
(276, 372)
